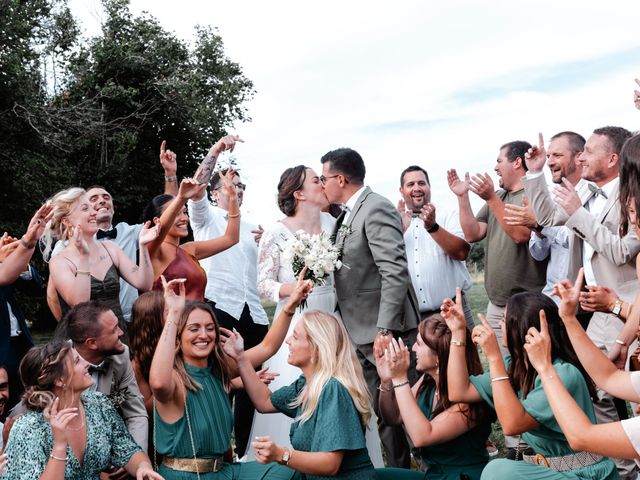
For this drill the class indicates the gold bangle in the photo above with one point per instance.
(235, 215)
(401, 384)
(291, 314)
(458, 344)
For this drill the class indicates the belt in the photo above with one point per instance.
(194, 465)
(564, 463)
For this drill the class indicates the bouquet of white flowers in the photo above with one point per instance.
(316, 252)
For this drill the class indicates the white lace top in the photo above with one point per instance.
(272, 270)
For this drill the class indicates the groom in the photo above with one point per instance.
(375, 296)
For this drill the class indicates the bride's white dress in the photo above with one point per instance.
(273, 271)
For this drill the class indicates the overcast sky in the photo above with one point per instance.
(439, 84)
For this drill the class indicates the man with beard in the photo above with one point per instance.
(435, 245)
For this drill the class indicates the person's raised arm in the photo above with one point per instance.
(482, 185)
(601, 370)
(168, 160)
(511, 413)
(18, 260)
(162, 379)
(454, 246)
(231, 236)
(141, 275)
(460, 388)
(473, 230)
(607, 439)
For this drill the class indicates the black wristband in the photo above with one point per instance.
(434, 228)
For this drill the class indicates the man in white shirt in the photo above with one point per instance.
(435, 245)
(232, 288)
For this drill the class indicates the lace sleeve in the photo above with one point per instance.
(268, 267)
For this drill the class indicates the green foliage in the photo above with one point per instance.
(475, 260)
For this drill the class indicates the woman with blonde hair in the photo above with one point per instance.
(69, 432)
(86, 269)
(329, 402)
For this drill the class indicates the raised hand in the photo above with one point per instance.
(173, 301)
(482, 185)
(227, 142)
(520, 215)
(227, 181)
(168, 160)
(266, 450)
(537, 344)
(301, 290)
(567, 197)
(234, 344)
(149, 233)
(59, 420)
(453, 314)
(428, 215)
(79, 242)
(636, 95)
(190, 188)
(405, 215)
(257, 234)
(457, 186)
(484, 336)
(536, 156)
(396, 357)
(37, 223)
(569, 295)
(380, 345)
(7, 245)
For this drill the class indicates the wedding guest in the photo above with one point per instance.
(87, 269)
(18, 260)
(451, 437)
(329, 402)
(190, 378)
(516, 393)
(232, 289)
(4, 397)
(70, 432)
(619, 439)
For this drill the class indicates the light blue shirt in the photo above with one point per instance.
(555, 245)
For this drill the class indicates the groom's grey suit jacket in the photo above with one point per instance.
(374, 287)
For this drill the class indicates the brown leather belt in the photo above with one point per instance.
(194, 465)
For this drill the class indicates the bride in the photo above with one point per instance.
(302, 199)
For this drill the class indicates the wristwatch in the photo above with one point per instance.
(286, 456)
(617, 307)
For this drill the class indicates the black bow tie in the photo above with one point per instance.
(98, 368)
(111, 234)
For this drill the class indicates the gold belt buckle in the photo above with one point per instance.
(540, 459)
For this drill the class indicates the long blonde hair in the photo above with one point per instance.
(333, 356)
(63, 203)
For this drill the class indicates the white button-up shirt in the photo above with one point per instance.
(434, 274)
(352, 203)
(231, 275)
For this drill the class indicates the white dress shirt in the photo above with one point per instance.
(13, 320)
(352, 203)
(231, 275)
(434, 274)
(595, 205)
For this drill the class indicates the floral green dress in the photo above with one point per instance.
(108, 443)
(548, 438)
(334, 426)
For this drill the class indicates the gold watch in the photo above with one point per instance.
(617, 307)
(286, 456)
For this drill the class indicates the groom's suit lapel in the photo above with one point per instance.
(357, 206)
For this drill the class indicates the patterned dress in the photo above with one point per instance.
(334, 426)
(108, 443)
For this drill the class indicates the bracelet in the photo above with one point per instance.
(434, 228)
(458, 344)
(173, 178)
(498, 379)
(235, 215)
(58, 458)
(620, 342)
(26, 244)
(386, 390)
(291, 314)
(80, 272)
(401, 384)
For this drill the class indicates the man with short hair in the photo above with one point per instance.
(435, 245)
(232, 288)
(509, 267)
(374, 291)
(595, 244)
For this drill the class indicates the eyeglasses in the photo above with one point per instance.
(324, 179)
(237, 186)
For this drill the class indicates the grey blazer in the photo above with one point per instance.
(119, 382)
(373, 287)
(613, 260)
